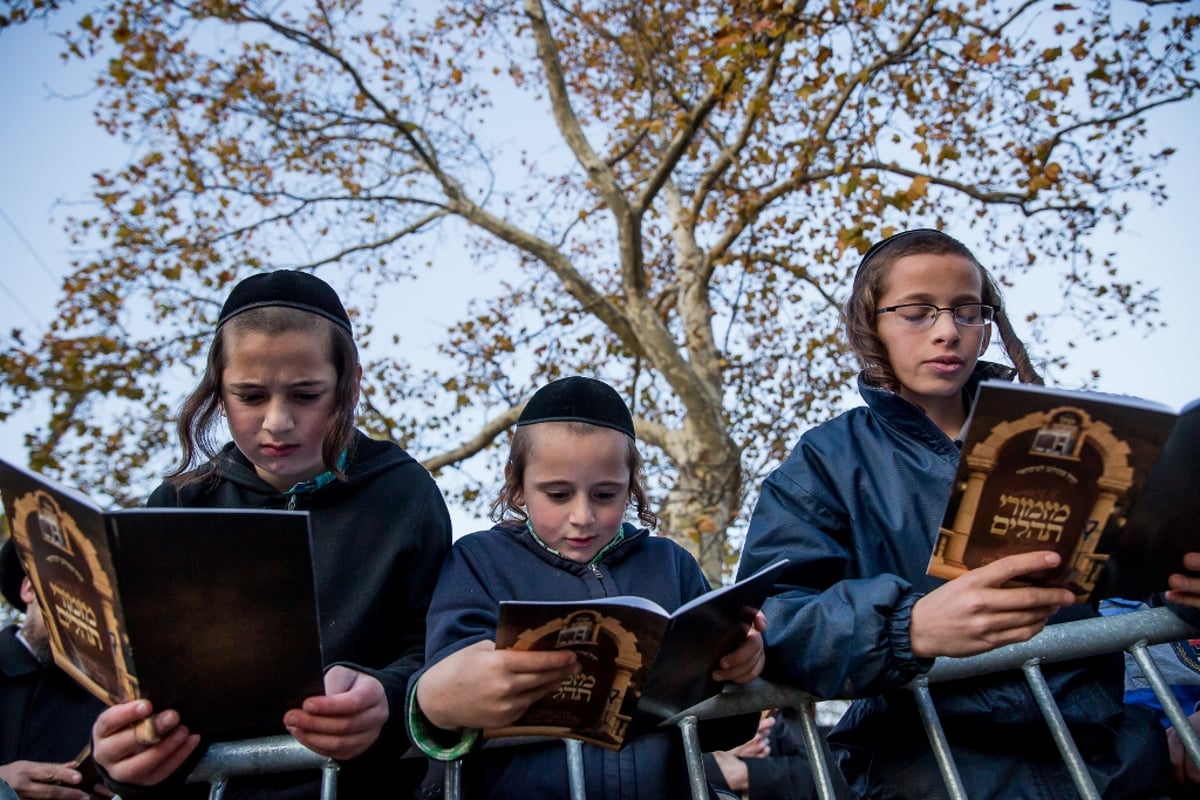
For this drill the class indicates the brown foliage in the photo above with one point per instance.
(674, 193)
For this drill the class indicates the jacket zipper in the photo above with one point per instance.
(599, 577)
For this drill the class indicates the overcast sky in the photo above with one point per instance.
(51, 146)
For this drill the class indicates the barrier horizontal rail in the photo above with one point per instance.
(263, 756)
(1069, 640)
(1131, 632)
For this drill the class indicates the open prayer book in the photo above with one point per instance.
(211, 612)
(641, 664)
(1109, 481)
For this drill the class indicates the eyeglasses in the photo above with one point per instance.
(923, 315)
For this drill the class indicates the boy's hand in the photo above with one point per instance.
(978, 611)
(116, 748)
(746, 662)
(346, 720)
(482, 687)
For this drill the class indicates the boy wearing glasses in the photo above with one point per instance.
(856, 508)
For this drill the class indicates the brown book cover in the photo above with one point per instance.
(1054, 469)
(211, 612)
(641, 664)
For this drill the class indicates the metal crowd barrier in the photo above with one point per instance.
(264, 756)
(1133, 632)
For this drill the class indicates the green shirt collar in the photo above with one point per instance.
(310, 486)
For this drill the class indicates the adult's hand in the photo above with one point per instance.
(35, 780)
(732, 762)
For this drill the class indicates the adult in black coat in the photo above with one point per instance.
(45, 716)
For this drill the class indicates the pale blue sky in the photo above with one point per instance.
(51, 146)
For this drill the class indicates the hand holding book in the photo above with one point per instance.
(638, 664)
(978, 610)
(481, 686)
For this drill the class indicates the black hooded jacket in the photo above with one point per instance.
(378, 538)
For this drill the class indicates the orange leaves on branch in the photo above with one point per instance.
(948, 152)
(781, 138)
(918, 188)
(1044, 178)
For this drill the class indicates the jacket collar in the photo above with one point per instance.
(611, 553)
(910, 420)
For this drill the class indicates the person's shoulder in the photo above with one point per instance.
(202, 488)
(830, 438)
(206, 484)
(658, 543)
(661, 550)
(501, 549)
(498, 538)
(187, 491)
(15, 659)
(373, 459)
(370, 453)
(838, 425)
(165, 495)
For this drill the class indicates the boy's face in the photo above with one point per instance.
(576, 487)
(278, 393)
(932, 364)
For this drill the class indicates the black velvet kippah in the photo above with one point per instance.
(11, 575)
(578, 399)
(882, 243)
(285, 287)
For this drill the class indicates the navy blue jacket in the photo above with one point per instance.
(856, 508)
(507, 563)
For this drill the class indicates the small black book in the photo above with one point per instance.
(211, 612)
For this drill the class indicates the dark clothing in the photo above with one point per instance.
(44, 714)
(856, 507)
(784, 774)
(508, 563)
(378, 540)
